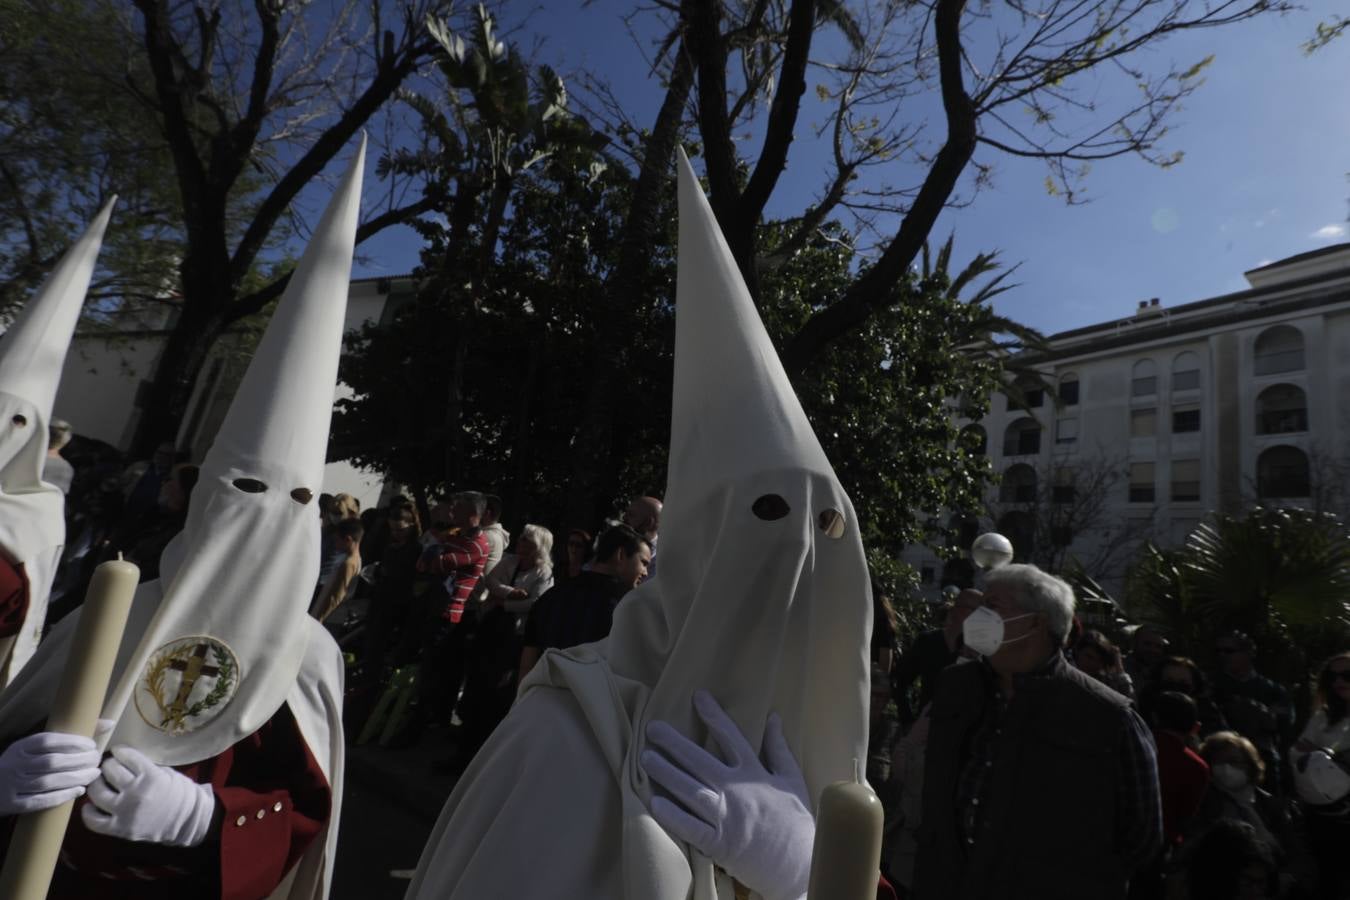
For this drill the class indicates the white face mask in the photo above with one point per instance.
(983, 631)
(1230, 777)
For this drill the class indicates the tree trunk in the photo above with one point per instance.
(201, 322)
(170, 390)
(594, 478)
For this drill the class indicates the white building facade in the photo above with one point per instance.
(1172, 413)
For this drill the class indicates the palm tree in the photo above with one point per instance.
(1281, 575)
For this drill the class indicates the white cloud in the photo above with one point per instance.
(1331, 232)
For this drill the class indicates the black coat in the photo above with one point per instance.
(1047, 829)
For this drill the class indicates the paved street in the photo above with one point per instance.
(392, 799)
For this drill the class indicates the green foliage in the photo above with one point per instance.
(519, 263)
(884, 402)
(525, 376)
(72, 134)
(1281, 575)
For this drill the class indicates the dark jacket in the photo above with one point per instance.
(923, 662)
(578, 611)
(1047, 826)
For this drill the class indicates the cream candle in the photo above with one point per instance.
(846, 859)
(36, 844)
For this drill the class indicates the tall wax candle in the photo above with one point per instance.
(36, 843)
(846, 859)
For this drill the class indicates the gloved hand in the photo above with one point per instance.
(139, 800)
(45, 770)
(753, 821)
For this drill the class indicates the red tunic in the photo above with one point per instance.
(274, 799)
(13, 598)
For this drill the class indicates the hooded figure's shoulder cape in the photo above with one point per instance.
(315, 700)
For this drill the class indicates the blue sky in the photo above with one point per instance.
(1267, 152)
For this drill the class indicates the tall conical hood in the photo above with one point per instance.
(761, 591)
(33, 349)
(32, 353)
(284, 405)
(734, 409)
(227, 642)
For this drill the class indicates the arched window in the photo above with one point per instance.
(1281, 409)
(1030, 390)
(1279, 349)
(1022, 438)
(1185, 372)
(1019, 485)
(1283, 472)
(1019, 527)
(1068, 389)
(974, 440)
(1144, 383)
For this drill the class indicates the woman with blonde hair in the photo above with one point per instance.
(338, 508)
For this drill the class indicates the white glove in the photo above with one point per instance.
(753, 821)
(45, 770)
(139, 800)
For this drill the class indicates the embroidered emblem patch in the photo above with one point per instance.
(187, 683)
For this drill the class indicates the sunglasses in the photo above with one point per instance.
(440, 526)
(1341, 675)
(1226, 651)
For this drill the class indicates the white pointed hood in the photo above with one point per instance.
(762, 595)
(229, 637)
(32, 353)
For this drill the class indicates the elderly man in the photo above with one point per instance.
(1039, 781)
(644, 516)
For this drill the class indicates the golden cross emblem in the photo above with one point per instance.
(193, 667)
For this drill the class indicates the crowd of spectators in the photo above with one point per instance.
(444, 618)
(1033, 758)
(1011, 745)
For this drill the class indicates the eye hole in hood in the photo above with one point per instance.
(250, 485)
(770, 507)
(19, 420)
(832, 523)
(302, 495)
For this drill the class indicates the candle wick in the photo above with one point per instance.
(119, 559)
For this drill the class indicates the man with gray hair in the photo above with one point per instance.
(1039, 781)
(55, 469)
